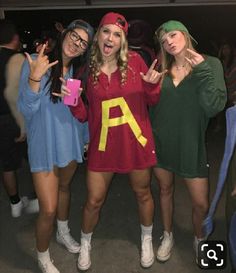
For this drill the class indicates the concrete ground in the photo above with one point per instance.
(116, 241)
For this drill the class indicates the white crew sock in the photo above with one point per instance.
(44, 256)
(86, 236)
(62, 226)
(146, 231)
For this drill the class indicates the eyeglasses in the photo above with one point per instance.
(75, 37)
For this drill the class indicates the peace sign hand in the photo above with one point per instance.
(152, 76)
(40, 65)
(195, 58)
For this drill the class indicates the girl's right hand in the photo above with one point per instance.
(40, 65)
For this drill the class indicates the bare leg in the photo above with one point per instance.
(97, 184)
(10, 184)
(46, 187)
(165, 181)
(65, 177)
(198, 189)
(140, 183)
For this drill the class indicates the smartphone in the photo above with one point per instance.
(73, 98)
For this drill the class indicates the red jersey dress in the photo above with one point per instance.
(121, 137)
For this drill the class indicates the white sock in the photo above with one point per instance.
(86, 236)
(62, 226)
(146, 231)
(43, 257)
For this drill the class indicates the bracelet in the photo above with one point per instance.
(33, 80)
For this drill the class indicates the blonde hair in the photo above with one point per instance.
(96, 60)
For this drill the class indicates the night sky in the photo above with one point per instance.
(206, 23)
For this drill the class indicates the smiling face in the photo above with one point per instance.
(174, 42)
(75, 43)
(109, 40)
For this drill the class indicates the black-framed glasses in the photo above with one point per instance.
(75, 37)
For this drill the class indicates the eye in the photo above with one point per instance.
(105, 30)
(117, 34)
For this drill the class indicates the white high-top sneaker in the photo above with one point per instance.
(164, 250)
(147, 255)
(17, 209)
(84, 260)
(68, 241)
(47, 267)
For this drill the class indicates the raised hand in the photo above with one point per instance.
(152, 75)
(195, 58)
(40, 65)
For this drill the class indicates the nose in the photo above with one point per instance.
(110, 36)
(169, 40)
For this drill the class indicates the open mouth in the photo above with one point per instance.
(107, 48)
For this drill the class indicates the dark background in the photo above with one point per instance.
(209, 25)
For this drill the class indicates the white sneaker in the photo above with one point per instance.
(84, 260)
(33, 206)
(147, 255)
(16, 209)
(47, 267)
(67, 240)
(164, 250)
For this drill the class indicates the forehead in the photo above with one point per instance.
(81, 33)
(169, 34)
(112, 27)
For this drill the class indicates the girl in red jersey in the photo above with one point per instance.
(119, 89)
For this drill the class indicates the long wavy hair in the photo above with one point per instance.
(77, 63)
(96, 60)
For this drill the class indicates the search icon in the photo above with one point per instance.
(211, 254)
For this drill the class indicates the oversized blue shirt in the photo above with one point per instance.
(54, 136)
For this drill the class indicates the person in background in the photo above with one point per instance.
(140, 37)
(12, 135)
(227, 57)
(55, 138)
(192, 91)
(119, 88)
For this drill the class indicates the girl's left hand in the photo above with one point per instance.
(64, 90)
(195, 58)
(152, 76)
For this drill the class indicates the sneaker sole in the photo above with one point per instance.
(83, 268)
(147, 265)
(163, 259)
(63, 244)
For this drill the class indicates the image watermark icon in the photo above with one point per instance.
(212, 254)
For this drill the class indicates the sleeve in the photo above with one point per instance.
(80, 111)
(152, 91)
(28, 100)
(13, 71)
(211, 85)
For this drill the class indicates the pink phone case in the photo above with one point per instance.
(74, 86)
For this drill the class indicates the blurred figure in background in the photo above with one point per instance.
(140, 39)
(13, 136)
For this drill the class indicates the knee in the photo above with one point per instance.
(48, 214)
(201, 207)
(166, 190)
(144, 195)
(94, 204)
(64, 187)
